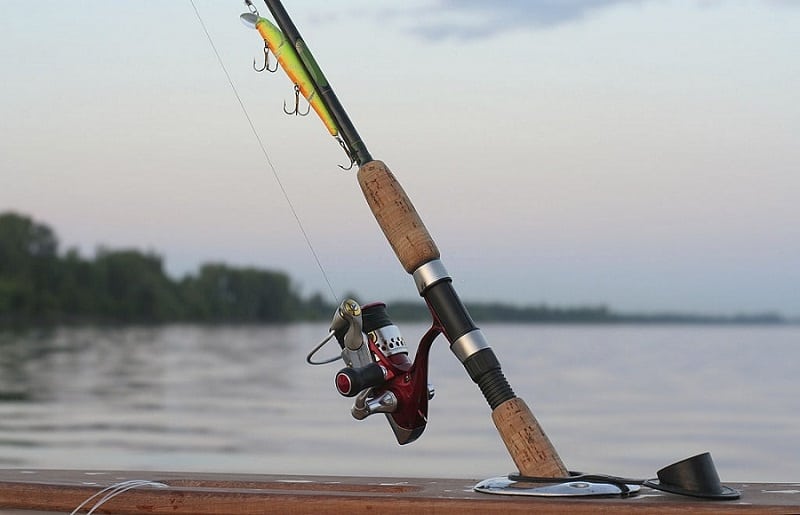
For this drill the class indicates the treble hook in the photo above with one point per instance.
(296, 104)
(348, 152)
(266, 61)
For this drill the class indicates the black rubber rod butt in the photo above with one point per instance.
(531, 450)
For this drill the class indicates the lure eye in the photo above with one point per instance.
(249, 19)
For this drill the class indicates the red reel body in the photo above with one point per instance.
(389, 382)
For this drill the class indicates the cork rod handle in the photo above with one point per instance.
(526, 441)
(397, 217)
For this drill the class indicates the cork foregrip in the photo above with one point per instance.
(531, 450)
(397, 217)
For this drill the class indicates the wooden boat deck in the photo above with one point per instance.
(59, 491)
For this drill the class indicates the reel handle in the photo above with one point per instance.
(350, 381)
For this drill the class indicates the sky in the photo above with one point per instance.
(640, 154)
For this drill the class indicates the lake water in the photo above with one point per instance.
(623, 400)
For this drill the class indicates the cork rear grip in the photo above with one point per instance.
(531, 450)
(397, 217)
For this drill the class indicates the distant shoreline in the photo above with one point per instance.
(544, 314)
(41, 286)
(417, 312)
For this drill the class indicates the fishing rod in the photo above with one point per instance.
(379, 373)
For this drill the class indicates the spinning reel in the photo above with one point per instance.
(378, 371)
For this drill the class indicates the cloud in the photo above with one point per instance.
(474, 19)
(437, 20)
(470, 19)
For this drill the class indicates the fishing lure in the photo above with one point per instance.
(290, 61)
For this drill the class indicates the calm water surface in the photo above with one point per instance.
(623, 400)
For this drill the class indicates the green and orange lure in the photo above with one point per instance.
(289, 59)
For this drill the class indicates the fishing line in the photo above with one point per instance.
(265, 153)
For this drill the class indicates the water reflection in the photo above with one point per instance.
(616, 399)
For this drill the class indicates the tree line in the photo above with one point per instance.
(40, 285)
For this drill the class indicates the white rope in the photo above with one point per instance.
(115, 490)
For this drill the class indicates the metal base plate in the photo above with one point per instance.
(505, 486)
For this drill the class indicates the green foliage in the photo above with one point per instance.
(28, 258)
(130, 286)
(37, 285)
(222, 293)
